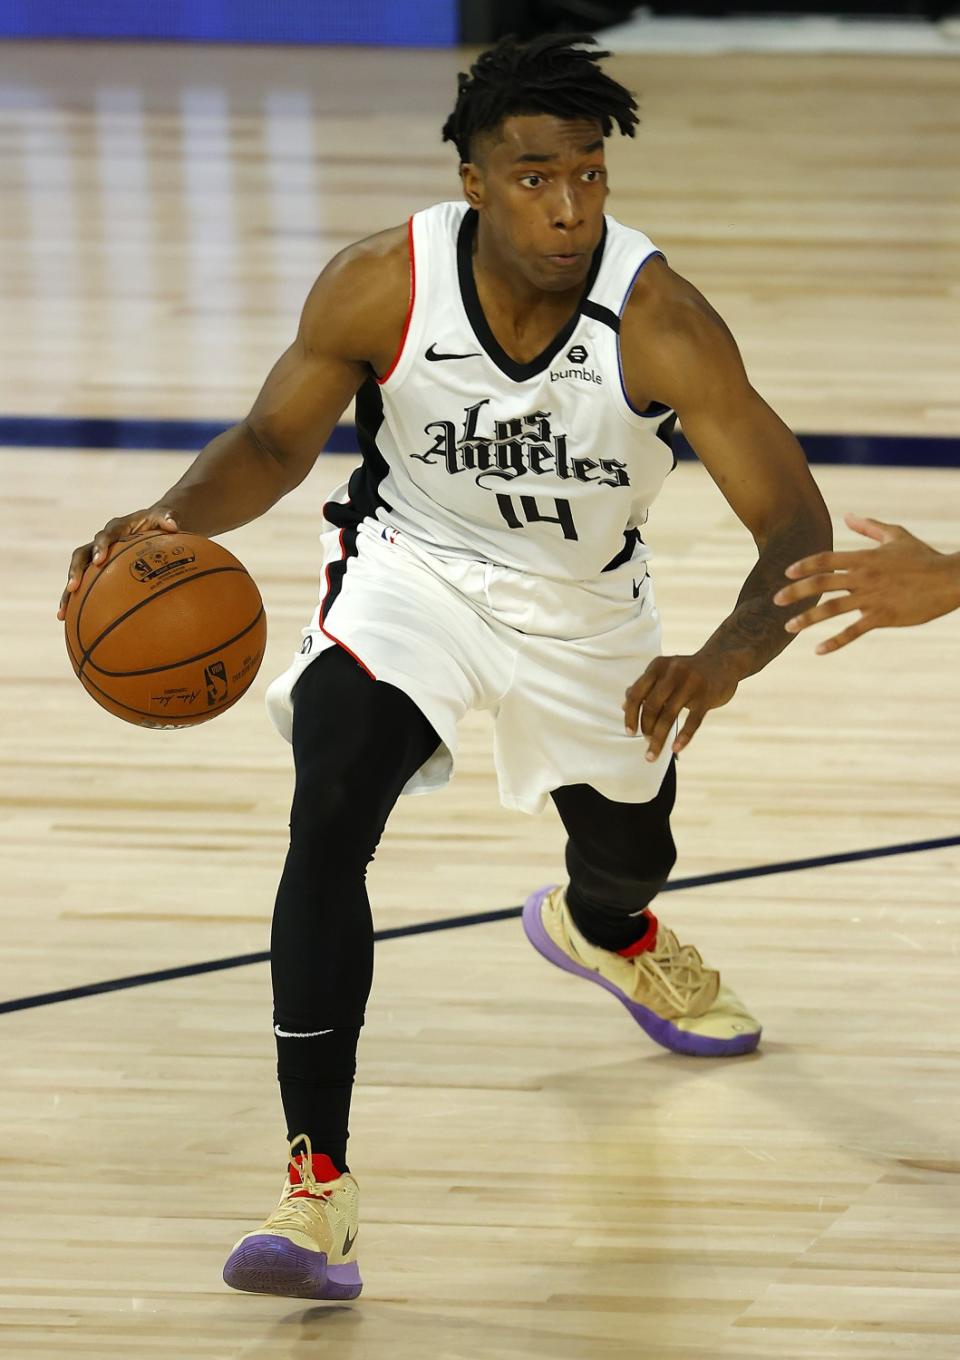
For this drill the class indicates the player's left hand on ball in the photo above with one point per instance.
(670, 684)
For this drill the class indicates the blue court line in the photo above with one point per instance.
(865, 450)
(26, 1003)
(69, 432)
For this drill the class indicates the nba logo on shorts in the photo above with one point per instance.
(215, 676)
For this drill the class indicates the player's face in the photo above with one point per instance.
(539, 185)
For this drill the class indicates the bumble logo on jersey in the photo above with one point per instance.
(582, 374)
(518, 446)
(578, 355)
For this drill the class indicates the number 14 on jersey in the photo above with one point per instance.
(532, 515)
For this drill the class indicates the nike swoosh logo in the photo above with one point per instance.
(435, 358)
(638, 585)
(348, 1242)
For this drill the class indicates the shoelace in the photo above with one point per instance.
(673, 969)
(290, 1210)
(676, 970)
(308, 1180)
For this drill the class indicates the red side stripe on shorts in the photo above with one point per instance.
(413, 294)
(325, 631)
(343, 556)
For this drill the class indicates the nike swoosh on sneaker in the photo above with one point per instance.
(435, 358)
(348, 1242)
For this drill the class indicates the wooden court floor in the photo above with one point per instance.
(539, 1182)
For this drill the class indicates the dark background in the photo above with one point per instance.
(484, 20)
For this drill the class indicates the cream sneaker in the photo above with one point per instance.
(307, 1249)
(669, 990)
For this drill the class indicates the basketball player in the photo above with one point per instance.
(903, 582)
(518, 361)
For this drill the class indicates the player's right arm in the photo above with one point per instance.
(352, 321)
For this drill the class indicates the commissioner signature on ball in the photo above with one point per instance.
(185, 697)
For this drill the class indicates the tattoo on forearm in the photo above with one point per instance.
(755, 628)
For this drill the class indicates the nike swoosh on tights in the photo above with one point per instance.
(289, 1034)
(434, 357)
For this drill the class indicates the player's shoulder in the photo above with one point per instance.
(671, 337)
(361, 296)
(663, 303)
(672, 342)
(377, 265)
(385, 258)
(383, 253)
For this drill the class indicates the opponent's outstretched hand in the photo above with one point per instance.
(125, 526)
(669, 684)
(902, 582)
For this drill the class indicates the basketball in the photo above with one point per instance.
(168, 632)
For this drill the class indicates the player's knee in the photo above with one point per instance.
(631, 891)
(320, 801)
(628, 881)
(328, 818)
(657, 865)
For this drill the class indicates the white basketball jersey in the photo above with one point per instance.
(544, 467)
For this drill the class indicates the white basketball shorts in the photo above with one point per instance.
(550, 659)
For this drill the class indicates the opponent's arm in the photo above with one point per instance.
(352, 321)
(677, 350)
(900, 583)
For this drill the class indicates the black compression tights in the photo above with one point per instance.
(619, 855)
(356, 742)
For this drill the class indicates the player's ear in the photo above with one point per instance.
(471, 178)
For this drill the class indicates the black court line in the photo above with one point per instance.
(26, 1003)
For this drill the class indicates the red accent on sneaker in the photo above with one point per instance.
(646, 941)
(324, 1171)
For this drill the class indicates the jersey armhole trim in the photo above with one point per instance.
(656, 407)
(413, 296)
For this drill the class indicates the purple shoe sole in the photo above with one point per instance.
(663, 1032)
(272, 1265)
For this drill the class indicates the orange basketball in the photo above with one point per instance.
(169, 632)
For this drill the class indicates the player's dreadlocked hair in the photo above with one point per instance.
(549, 74)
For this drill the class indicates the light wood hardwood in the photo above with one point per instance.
(539, 1182)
